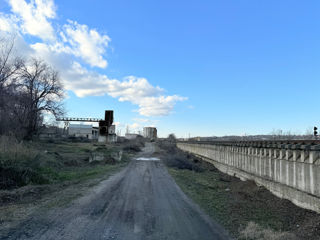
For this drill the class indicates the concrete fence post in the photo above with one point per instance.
(295, 155)
(314, 155)
(304, 155)
(288, 154)
(264, 152)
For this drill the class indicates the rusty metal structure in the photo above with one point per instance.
(104, 124)
(79, 119)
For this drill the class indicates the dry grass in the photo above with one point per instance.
(13, 152)
(255, 232)
(175, 158)
(43, 162)
(16, 163)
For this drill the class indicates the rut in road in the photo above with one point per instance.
(140, 202)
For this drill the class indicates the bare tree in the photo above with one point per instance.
(10, 65)
(28, 90)
(41, 92)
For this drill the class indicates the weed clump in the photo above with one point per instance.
(16, 161)
(254, 231)
(134, 145)
(175, 158)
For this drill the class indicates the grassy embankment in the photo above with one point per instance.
(47, 162)
(246, 210)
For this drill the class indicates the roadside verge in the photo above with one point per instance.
(246, 210)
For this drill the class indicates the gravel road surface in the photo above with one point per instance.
(140, 202)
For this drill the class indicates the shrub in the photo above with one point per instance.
(176, 158)
(134, 145)
(13, 152)
(16, 160)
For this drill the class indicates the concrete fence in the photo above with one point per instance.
(290, 171)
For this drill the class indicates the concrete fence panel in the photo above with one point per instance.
(290, 171)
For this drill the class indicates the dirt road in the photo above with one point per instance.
(140, 202)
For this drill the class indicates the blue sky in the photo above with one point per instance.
(189, 67)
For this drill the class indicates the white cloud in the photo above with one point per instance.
(117, 124)
(7, 23)
(138, 91)
(132, 89)
(141, 120)
(158, 106)
(86, 43)
(84, 82)
(34, 17)
(76, 39)
(134, 126)
(146, 122)
(74, 42)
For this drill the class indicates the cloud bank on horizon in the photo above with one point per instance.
(74, 50)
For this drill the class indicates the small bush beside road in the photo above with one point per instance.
(175, 158)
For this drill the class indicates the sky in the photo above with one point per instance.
(193, 68)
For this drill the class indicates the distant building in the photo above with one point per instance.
(93, 133)
(150, 132)
(48, 132)
(83, 130)
(131, 136)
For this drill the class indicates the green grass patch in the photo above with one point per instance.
(43, 162)
(80, 174)
(206, 191)
(233, 203)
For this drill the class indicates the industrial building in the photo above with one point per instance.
(110, 136)
(90, 132)
(83, 130)
(150, 132)
(106, 132)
